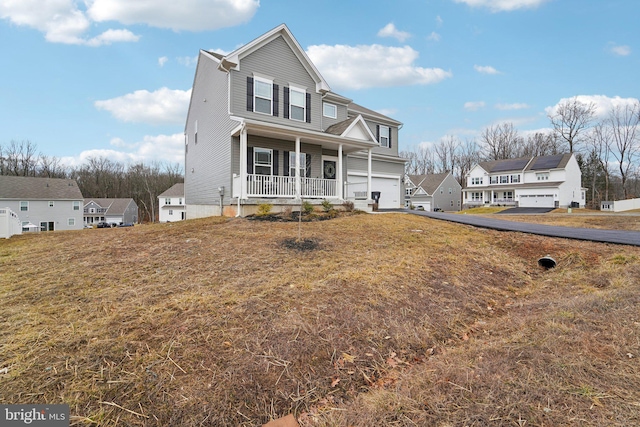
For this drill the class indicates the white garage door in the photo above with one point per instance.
(537, 201)
(389, 189)
(425, 205)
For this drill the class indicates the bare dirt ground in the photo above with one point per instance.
(388, 320)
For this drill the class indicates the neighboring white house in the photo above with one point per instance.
(263, 126)
(432, 192)
(171, 204)
(46, 204)
(544, 182)
(112, 211)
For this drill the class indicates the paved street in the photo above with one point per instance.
(623, 237)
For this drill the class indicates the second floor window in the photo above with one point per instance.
(515, 178)
(263, 92)
(76, 206)
(504, 179)
(476, 181)
(329, 110)
(167, 201)
(542, 176)
(385, 132)
(297, 99)
(24, 206)
(493, 180)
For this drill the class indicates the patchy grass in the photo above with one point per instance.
(580, 219)
(483, 210)
(392, 320)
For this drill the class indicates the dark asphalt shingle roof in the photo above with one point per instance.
(429, 182)
(36, 188)
(340, 127)
(113, 206)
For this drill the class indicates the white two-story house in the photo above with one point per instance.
(171, 204)
(263, 126)
(544, 182)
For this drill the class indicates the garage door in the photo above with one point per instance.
(537, 201)
(424, 205)
(389, 189)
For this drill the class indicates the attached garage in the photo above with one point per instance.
(388, 186)
(422, 205)
(537, 201)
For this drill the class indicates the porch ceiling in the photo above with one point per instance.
(328, 141)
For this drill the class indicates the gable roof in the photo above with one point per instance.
(429, 182)
(557, 161)
(232, 60)
(359, 109)
(177, 190)
(113, 206)
(36, 188)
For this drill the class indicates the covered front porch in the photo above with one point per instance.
(501, 197)
(282, 164)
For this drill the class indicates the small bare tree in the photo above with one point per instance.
(624, 122)
(499, 141)
(599, 141)
(570, 119)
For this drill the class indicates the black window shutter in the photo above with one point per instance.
(285, 169)
(275, 163)
(389, 137)
(378, 132)
(249, 159)
(276, 101)
(249, 93)
(308, 108)
(285, 112)
(308, 165)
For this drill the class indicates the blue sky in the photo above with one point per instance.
(112, 78)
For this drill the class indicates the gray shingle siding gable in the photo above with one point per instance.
(207, 162)
(276, 60)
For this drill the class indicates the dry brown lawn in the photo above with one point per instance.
(395, 320)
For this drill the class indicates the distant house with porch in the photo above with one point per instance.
(171, 204)
(263, 126)
(543, 181)
(42, 204)
(112, 211)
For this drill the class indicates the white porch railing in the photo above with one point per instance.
(285, 186)
(504, 201)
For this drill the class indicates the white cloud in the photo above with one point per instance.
(188, 61)
(390, 30)
(474, 106)
(62, 21)
(435, 37)
(439, 21)
(485, 69)
(160, 107)
(190, 15)
(359, 67)
(162, 60)
(516, 106)
(158, 148)
(603, 103)
(389, 112)
(619, 50)
(503, 5)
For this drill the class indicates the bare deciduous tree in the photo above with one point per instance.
(571, 118)
(624, 122)
(499, 141)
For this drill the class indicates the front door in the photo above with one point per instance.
(329, 169)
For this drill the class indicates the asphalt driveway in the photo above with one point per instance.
(622, 237)
(524, 211)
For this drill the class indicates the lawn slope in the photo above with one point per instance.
(394, 320)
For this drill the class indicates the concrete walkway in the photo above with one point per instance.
(622, 237)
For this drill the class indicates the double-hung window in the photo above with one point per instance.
(263, 95)
(476, 181)
(76, 206)
(24, 206)
(515, 178)
(167, 201)
(292, 163)
(262, 161)
(297, 103)
(544, 176)
(504, 179)
(493, 180)
(384, 136)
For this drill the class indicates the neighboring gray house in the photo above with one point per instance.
(264, 127)
(171, 204)
(44, 204)
(440, 190)
(112, 211)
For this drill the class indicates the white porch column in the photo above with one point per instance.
(339, 180)
(243, 163)
(369, 175)
(298, 186)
